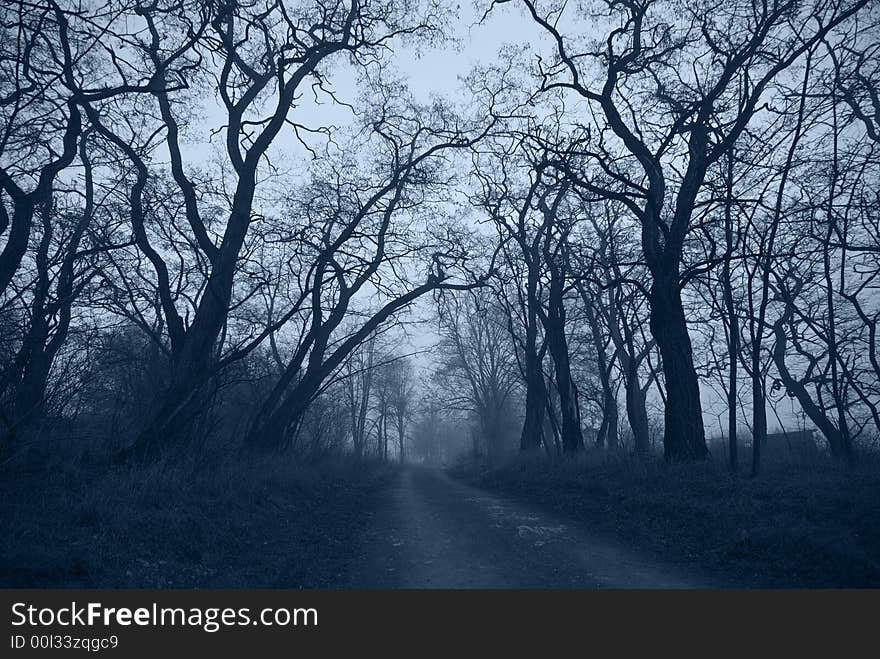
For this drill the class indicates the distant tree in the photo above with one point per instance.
(362, 230)
(528, 202)
(401, 399)
(477, 370)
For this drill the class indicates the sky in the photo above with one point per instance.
(428, 71)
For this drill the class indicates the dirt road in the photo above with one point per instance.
(433, 532)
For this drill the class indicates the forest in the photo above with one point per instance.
(255, 242)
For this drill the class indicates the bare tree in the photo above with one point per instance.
(359, 235)
(401, 392)
(257, 59)
(476, 364)
(662, 132)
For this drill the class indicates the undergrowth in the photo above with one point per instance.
(808, 525)
(268, 521)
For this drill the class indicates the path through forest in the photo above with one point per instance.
(433, 532)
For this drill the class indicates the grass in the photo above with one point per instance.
(274, 522)
(266, 522)
(814, 526)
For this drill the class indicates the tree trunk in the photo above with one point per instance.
(536, 394)
(612, 432)
(732, 319)
(759, 410)
(732, 404)
(608, 430)
(188, 397)
(554, 328)
(835, 440)
(400, 439)
(572, 436)
(637, 414)
(684, 437)
(383, 429)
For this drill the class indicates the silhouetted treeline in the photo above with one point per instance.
(655, 211)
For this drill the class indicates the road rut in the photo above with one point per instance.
(433, 532)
